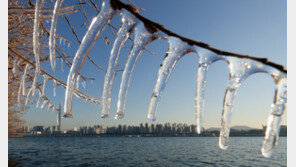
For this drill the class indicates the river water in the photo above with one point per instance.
(142, 151)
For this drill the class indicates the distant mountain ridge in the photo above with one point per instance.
(238, 127)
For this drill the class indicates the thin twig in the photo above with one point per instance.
(79, 41)
(51, 76)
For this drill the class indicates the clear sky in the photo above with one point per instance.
(257, 28)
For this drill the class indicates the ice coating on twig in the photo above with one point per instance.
(44, 84)
(176, 50)
(206, 58)
(36, 45)
(28, 97)
(19, 94)
(89, 39)
(43, 104)
(52, 35)
(54, 84)
(142, 38)
(39, 99)
(15, 65)
(128, 21)
(274, 120)
(240, 69)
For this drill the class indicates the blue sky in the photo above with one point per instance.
(257, 28)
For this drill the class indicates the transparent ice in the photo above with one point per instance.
(206, 58)
(274, 120)
(128, 21)
(54, 84)
(89, 39)
(176, 50)
(52, 35)
(142, 38)
(36, 45)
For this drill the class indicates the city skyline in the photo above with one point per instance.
(251, 27)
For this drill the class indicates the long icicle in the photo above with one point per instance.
(39, 99)
(239, 70)
(142, 38)
(23, 82)
(89, 39)
(36, 45)
(44, 84)
(54, 84)
(52, 35)
(123, 33)
(206, 58)
(176, 50)
(274, 119)
(19, 94)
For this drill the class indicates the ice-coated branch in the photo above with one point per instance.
(79, 93)
(118, 5)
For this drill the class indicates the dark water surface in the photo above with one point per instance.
(142, 151)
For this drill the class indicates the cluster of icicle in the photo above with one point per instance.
(240, 69)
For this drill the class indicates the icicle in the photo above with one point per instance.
(77, 82)
(69, 45)
(89, 39)
(28, 97)
(61, 41)
(23, 82)
(239, 69)
(43, 104)
(39, 99)
(54, 83)
(52, 36)
(142, 38)
(15, 66)
(274, 120)
(206, 58)
(123, 33)
(83, 83)
(62, 65)
(49, 106)
(36, 44)
(176, 50)
(44, 84)
(19, 94)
